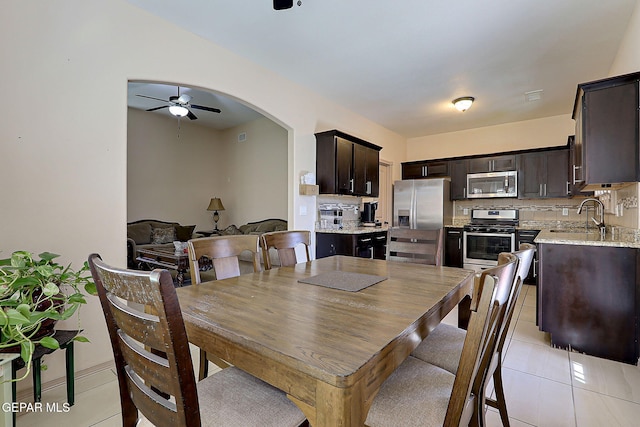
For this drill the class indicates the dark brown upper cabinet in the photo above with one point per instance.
(493, 164)
(425, 169)
(606, 140)
(346, 164)
(543, 174)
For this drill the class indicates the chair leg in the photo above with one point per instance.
(204, 365)
(500, 403)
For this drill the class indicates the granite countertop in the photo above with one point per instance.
(352, 230)
(578, 237)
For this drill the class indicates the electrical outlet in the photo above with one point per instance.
(465, 211)
(565, 211)
(303, 210)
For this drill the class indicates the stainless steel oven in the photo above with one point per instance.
(489, 233)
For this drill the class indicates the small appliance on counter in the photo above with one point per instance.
(368, 214)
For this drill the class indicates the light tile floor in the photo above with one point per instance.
(544, 386)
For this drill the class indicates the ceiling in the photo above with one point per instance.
(401, 63)
(232, 112)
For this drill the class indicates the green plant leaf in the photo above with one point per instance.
(50, 289)
(91, 289)
(49, 342)
(69, 312)
(77, 298)
(26, 350)
(81, 338)
(16, 318)
(48, 256)
(24, 310)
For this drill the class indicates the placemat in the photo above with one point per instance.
(344, 281)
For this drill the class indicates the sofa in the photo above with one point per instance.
(154, 233)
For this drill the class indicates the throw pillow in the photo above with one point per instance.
(163, 235)
(230, 230)
(140, 233)
(184, 232)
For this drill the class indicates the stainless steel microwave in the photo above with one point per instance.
(492, 184)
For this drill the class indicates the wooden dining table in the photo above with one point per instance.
(328, 349)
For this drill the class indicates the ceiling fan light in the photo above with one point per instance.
(463, 103)
(178, 110)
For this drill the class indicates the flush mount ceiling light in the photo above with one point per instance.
(463, 103)
(178, 110)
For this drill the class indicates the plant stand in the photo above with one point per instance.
(65, 339)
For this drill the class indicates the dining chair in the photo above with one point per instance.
(153, 362)
(223, 253)
(285, 243)
(443, 345)
(417, 246)
(418, 393)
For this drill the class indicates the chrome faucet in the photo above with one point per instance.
(599, 223)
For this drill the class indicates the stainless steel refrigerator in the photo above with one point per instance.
(422, 203)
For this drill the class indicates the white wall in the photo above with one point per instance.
(171, 173)
(547, 132)
(63, 139)
(255, 172)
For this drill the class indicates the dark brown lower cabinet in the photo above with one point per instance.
(589, 299)
(363, 245)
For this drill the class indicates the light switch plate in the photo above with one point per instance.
(565, 211)
(303, 210)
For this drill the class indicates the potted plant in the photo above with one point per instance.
(34, 294)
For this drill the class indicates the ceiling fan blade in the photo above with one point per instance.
(183, 99)
(151, 97)
(200, 107)
(191, 116)
(157, 108)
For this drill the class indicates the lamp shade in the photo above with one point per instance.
(215, 205)
(178, 110)
(463, 104)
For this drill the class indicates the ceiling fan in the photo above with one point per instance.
(179, 105)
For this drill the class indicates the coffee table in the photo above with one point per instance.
(164, 258)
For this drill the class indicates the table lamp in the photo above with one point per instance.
(215, 205)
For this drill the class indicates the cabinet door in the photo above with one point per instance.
(610, 125)
(372, 173)
(532, 170)
(493, 164)
(503, 163)
(413, 170)
(590, 306)
(556, 184)
(344, 161)
(325, 245)
(359, 169)
(453, 247)
(458, 172)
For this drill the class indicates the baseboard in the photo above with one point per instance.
(26, 395)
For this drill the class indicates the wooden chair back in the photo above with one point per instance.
(417, 246)
(151, 351)
(285, 243)
(479, 343)
(224, 253)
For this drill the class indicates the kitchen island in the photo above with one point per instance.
(589, 293)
